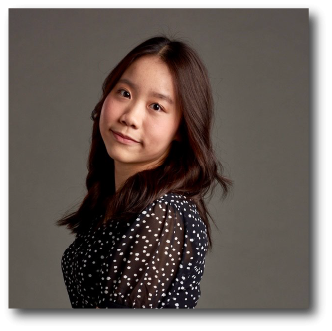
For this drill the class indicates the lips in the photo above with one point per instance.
(124, 136)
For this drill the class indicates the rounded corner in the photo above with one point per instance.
(5, 316)
(320, 8)
(5, 12)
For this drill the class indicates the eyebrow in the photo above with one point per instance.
(153, 93)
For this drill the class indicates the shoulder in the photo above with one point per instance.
(172, 206)
(182, 203)
(172, 202)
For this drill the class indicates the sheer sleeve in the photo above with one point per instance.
(147, 261)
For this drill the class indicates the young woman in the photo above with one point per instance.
(142, 230)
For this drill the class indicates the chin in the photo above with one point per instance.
(120, 157)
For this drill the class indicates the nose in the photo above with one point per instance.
(132, 116)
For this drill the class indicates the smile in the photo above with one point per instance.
(123, 140)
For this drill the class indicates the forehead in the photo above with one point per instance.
(150, 72)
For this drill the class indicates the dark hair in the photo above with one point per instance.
(191, 167)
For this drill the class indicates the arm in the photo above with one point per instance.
(141, 270)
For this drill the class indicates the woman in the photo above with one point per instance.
(142, 230)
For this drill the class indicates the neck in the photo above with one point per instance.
(123, 171)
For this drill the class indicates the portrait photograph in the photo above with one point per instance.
(159, 158)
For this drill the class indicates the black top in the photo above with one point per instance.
(155, 261)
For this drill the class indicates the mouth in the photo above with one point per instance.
(123, 138)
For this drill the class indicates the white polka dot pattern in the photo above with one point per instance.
(155, 261)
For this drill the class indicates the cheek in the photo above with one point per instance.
(108, 112)
(161, 133)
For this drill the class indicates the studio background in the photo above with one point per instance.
(258, 64)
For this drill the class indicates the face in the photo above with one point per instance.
(142, 106)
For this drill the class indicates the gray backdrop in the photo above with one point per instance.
(258, 62)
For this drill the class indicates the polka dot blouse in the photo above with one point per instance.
(156, 261)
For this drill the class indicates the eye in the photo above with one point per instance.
(156, 106)
(124, 93)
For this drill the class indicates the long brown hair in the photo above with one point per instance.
(191, 167)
